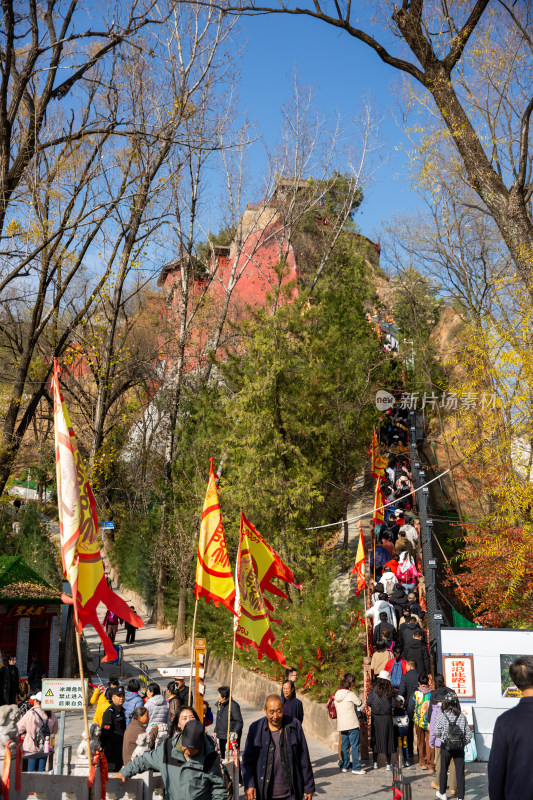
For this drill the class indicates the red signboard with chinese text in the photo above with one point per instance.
(458, 673)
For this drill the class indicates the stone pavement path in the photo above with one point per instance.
(152, 646)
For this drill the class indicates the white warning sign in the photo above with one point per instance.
(60, 694)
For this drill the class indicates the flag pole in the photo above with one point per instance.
(231, 686)
(366, 626)
(193, 634)
(83, 695)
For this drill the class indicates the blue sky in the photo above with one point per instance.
(341, 70)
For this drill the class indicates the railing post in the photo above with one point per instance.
(434, 613)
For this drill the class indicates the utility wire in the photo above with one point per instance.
(369, 513)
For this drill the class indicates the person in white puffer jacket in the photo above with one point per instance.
(157, 706)
(346, 705)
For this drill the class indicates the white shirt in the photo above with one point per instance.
(410, 533)
(388, 581)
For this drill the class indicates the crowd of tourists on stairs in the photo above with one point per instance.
(405, 703)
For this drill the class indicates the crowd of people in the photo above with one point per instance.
(412, 715)
(275, 761)
(404, 704)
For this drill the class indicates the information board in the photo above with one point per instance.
(492, 651)
(61, 694)
(459, 675)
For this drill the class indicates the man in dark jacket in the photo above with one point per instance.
(113, 728)
(183, 690)
(415, 606)
(385, 631)
(9, 682)
(36, 674)
(397, 600)
(381, 558)
(276, 762)
(407, 628)
(416, 650)
(221, 724)
(511, 753)
(408, 686)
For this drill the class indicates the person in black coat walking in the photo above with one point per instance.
(276, 759)
(416, 650)
(113, 729)
(511, 754)
(9, 682)
(408, 686)
(36, 674)
(221, 724)
(397, 599)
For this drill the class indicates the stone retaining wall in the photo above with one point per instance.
(253, 689)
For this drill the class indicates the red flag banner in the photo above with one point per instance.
(379, 501)
(378, 463)
(252, 623)
(359, 566)
(267, 563)
(78, 524)
(257, 566)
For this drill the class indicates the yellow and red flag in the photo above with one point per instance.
(359, 566)
(78, 523)
(379, 501)
(257, 565)
(378, 463)
(214, 578)
(267, 563)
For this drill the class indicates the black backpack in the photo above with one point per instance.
(454, 738)
(41, 734)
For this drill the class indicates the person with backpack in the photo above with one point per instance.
(400, 720)
(408, 687)
(407, 572)
(346, 705)
(435, 707)
(396, 667)
(451, 727)
(38, 727)
(419, 707)
(382, 604)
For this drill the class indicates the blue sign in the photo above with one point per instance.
(108, 526)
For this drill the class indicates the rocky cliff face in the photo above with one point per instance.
(442, 448)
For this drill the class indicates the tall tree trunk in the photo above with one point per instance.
(158, 614)
(180, 632)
